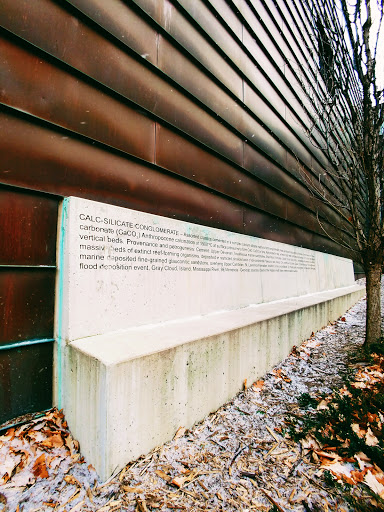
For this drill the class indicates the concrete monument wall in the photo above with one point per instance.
(152, 312)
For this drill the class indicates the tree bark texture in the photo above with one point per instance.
(373, 318)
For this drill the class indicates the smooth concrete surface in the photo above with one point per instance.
(122, 268)
(127, 392)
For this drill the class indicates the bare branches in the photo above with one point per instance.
(348, 114)
(348, 119)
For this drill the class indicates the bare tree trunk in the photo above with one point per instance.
(373, 318)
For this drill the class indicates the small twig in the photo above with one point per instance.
(272, 500)
(271, 450)
(74, 495)
(239, 451)
(243, 412)
(312, 481)
(248, 474)
(192, 481)
(145, 468)
(272, 434)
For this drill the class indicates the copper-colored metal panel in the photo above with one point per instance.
(176, 65)
(37, 158)
(257, 223)
(301, 147)
(33, 85)
(125, 75)
(290, 184)
(52, 28)
(269, 55)
(119, 19)
(25, 380)
(280, 63)
(26, 304)
(222, 7)
(174, 153)
(266, 170)
(189, 37)
(155, 8)
(187, 159)
(28, 224)
(215, 30)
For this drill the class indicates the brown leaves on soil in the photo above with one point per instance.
(335, 456)
(43, 452)
(41, 436)
(39, 468)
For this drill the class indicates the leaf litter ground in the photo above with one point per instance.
(239, 458)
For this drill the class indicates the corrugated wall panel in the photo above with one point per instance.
(36, 157)
(27, 228)
(165, 107)
(28, 225)
(192, 40)
(33, 85)
(124, 23)
(26, 304)
(25, 380)
(125, 69)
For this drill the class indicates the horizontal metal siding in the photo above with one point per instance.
(36, 157)
(161, 106)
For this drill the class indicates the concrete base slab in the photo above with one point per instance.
(127, 392)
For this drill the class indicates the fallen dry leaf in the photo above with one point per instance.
(163, 475)
(373, 484)
(310, 443)
(370, 439)
(54, 440)
(179, 432)
(359, 431)
(340, 471)
(179, 481)
(127, 488)
(327, 455)
(257, 386)
(39, 468)
(323, 404)
(70, 479)
(9, 435)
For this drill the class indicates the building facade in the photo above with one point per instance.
(196, 110)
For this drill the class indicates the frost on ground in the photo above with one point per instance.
(238, 458)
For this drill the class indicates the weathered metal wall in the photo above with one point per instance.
(191, 109)
(28, 223)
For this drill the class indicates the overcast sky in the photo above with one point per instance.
(380, 58)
